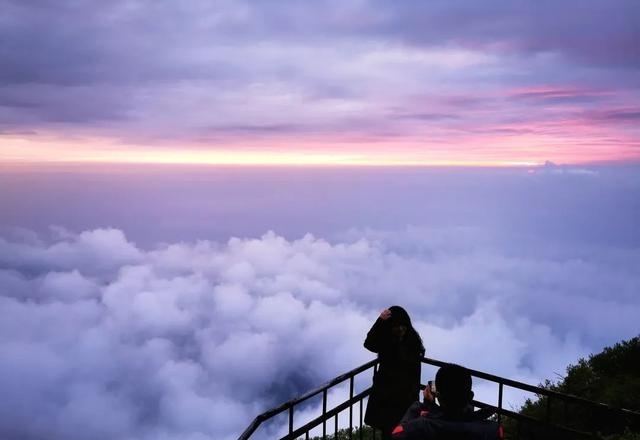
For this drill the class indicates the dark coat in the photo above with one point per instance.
(434, 424)
(396, 383)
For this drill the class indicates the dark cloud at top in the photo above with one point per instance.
(86, 42)
(75, 43)
(153, 71)
(593, 32)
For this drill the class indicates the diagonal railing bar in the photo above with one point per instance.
(575, 434)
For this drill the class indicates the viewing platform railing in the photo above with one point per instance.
(519, 426)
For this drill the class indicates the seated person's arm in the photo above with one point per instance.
(418, 409)
(412, 412)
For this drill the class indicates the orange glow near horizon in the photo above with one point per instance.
(498, 152)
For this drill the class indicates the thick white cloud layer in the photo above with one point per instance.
(101, 339)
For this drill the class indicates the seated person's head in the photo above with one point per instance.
(453, 383)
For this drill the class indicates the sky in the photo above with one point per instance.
(331, 82)
(204, 206)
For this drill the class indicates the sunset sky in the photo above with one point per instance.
(322, 82)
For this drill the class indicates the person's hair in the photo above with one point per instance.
(453, 383)
(401, 317)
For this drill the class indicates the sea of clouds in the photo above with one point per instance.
(104, 339)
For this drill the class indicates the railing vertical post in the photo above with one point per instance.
(350, 408)
(548, 416)
(290, 419)
(500, 387)
(335, 427)
(361, 405)
(324, 411)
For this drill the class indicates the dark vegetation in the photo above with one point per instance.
(611, 377)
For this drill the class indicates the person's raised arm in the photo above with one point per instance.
(377, 337)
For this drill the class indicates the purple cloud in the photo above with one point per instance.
(247, 71)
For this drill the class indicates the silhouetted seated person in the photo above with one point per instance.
(454, 418)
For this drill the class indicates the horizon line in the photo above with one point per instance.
(309, 164)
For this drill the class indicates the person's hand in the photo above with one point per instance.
(428, 395)
(385, 314)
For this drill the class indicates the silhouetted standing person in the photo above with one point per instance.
(396, 384)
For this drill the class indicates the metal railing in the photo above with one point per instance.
(526, 427)
(326, 415)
